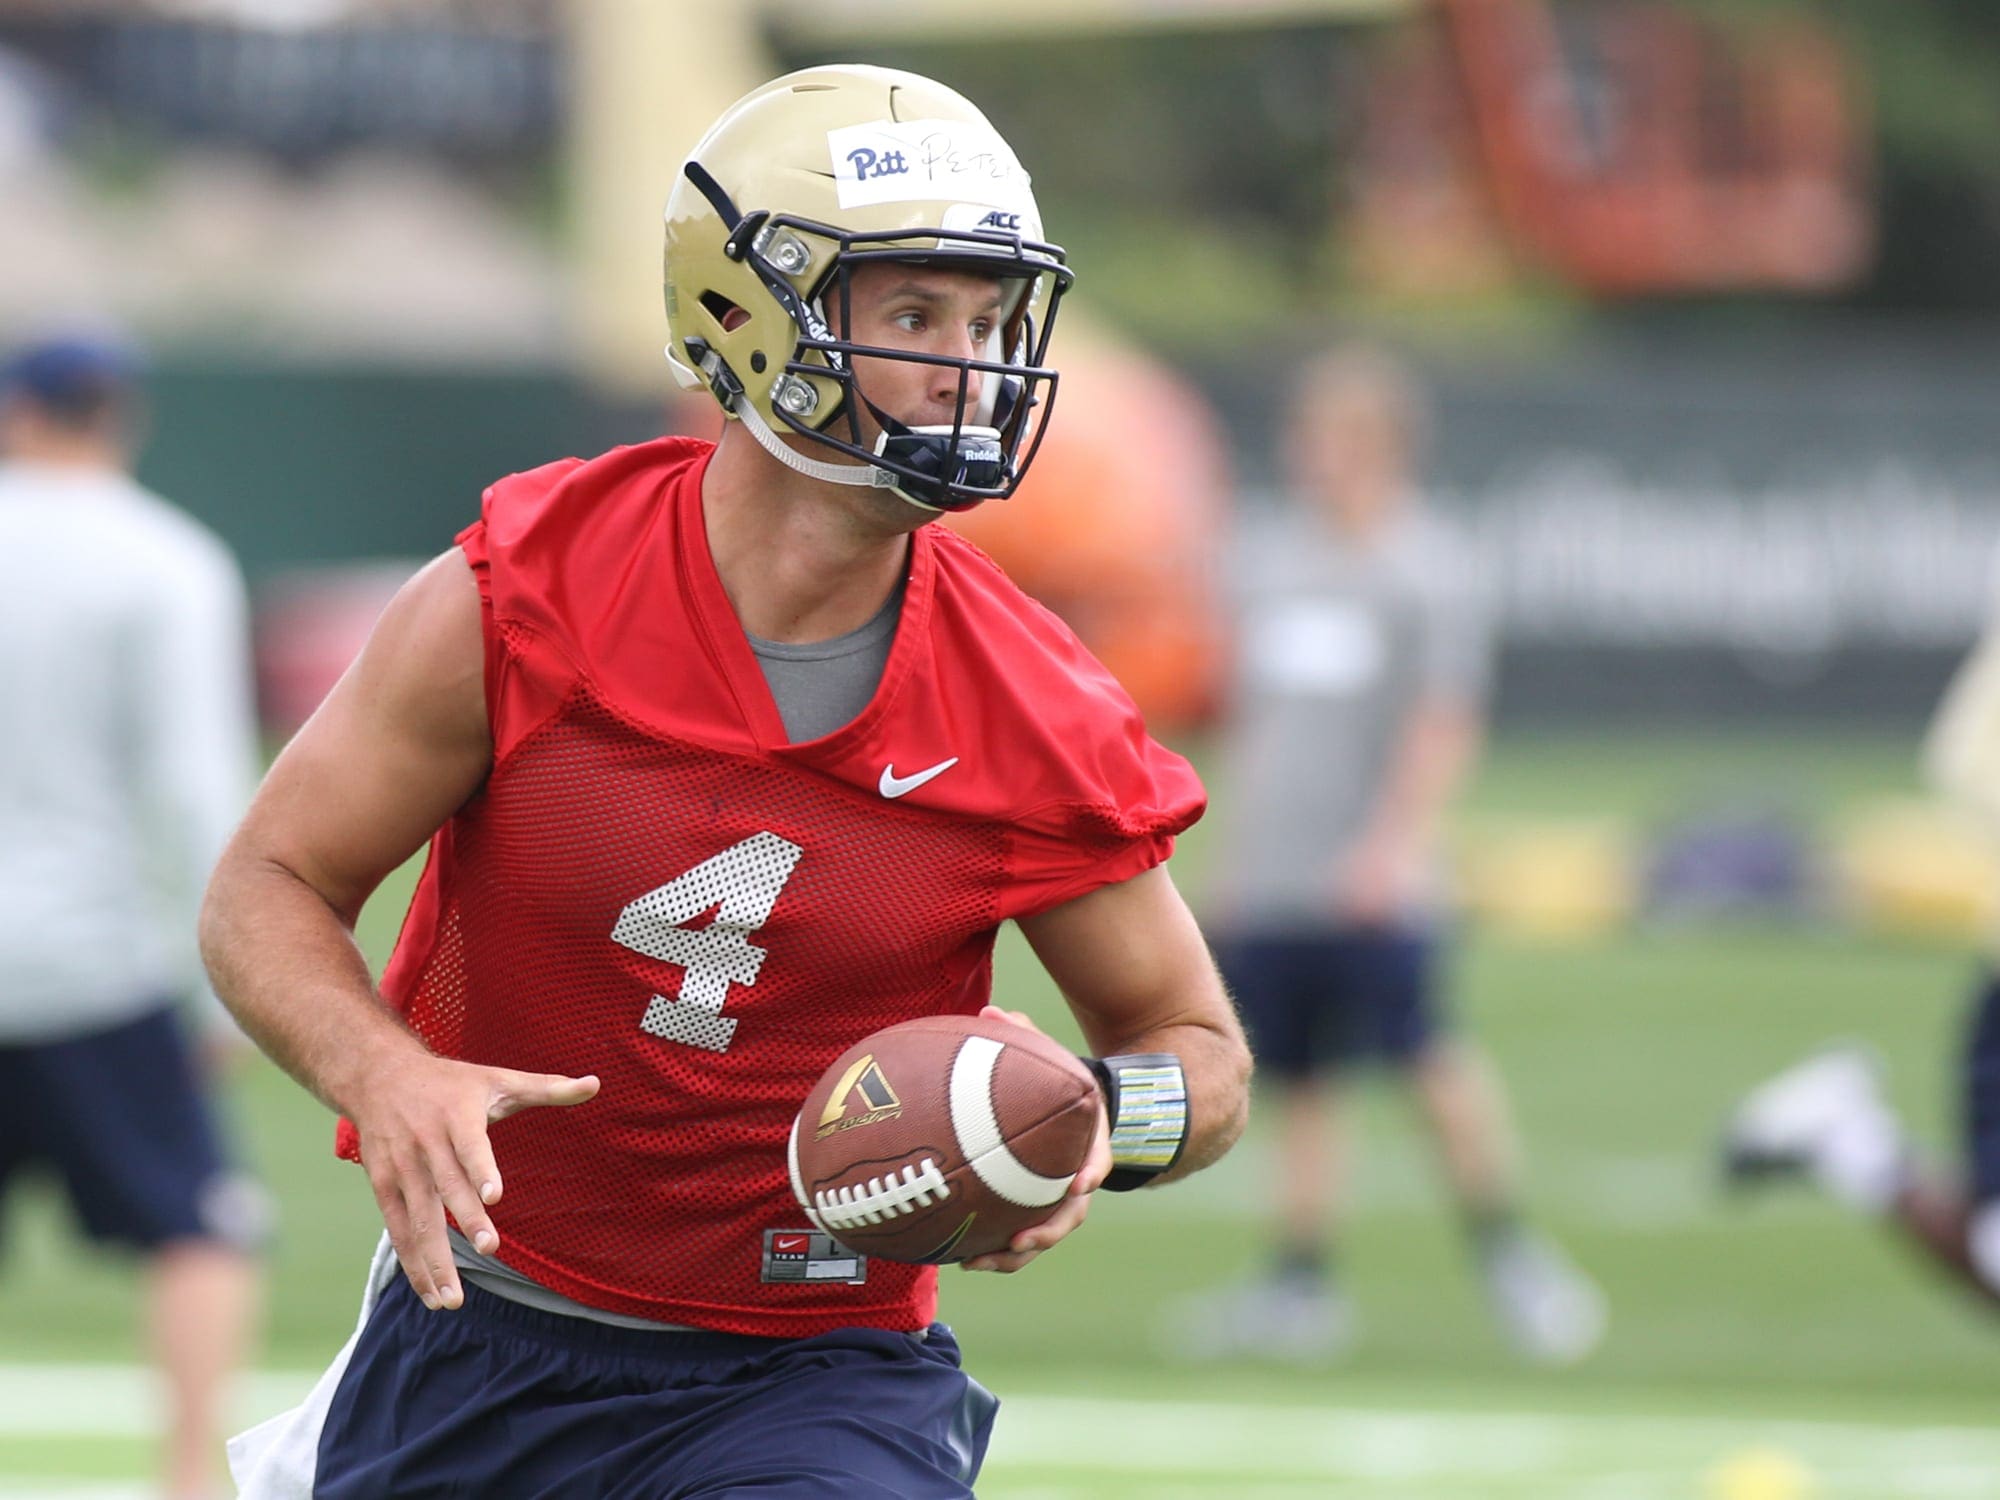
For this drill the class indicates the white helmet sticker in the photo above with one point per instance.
(913, 160)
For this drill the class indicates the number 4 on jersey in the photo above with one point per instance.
(744, 880)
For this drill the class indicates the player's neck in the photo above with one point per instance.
(801, 561)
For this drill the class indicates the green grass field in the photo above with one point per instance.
(1777, 1325)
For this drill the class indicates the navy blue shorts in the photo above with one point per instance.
(500, 1400)
(119, 1116)
(1982, 1093)
(1313, 1002)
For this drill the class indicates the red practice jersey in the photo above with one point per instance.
(656, 887)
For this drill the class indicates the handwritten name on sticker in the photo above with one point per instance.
(913, 160)
(944, 158)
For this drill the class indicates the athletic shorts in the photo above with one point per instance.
(497, 1399)
(119, 1117)
(1316, 1001)
(1982, 1093)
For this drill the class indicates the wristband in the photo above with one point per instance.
(1145, 1099)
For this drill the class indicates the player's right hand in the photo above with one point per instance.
(422, 1121)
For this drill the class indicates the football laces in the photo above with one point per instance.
(882, 1198)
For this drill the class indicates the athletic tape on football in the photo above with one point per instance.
(978, 1129)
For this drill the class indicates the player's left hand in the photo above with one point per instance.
(1072, 1211)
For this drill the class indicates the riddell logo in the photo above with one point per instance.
(867, 1091)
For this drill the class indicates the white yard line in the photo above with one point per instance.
(1408, 1446)
(117, 1400)
(1186, 1447)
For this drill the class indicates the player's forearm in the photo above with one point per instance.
(1216, 1063)
(1131, 962)
(286, 965)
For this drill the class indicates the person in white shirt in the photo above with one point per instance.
(130, 752)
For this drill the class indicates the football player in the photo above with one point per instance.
(1360, 682)
(726, 757)
(1826, 1119)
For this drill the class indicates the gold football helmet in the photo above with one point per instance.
(810, 176)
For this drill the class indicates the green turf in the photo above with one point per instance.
(68, 1457)
(1622, 1054)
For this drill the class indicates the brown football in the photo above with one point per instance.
(942, 1138)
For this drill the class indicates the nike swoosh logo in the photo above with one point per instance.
(788, 1242)
(893, 785)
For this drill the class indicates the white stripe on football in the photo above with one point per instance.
(978, 1130)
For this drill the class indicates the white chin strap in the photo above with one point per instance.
(867, 476)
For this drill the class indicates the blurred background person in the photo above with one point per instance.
(1827, 1121)
(1362, 671)
(125, 673)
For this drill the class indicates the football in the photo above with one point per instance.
(942, 1138)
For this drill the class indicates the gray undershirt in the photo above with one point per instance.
(818, 687)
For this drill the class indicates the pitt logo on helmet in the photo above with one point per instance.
(864, 1087)
(869, 163)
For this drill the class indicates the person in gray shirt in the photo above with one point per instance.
(1361, 674)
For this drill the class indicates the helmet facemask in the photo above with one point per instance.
(985, 450)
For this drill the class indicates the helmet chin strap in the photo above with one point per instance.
(865, 476)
